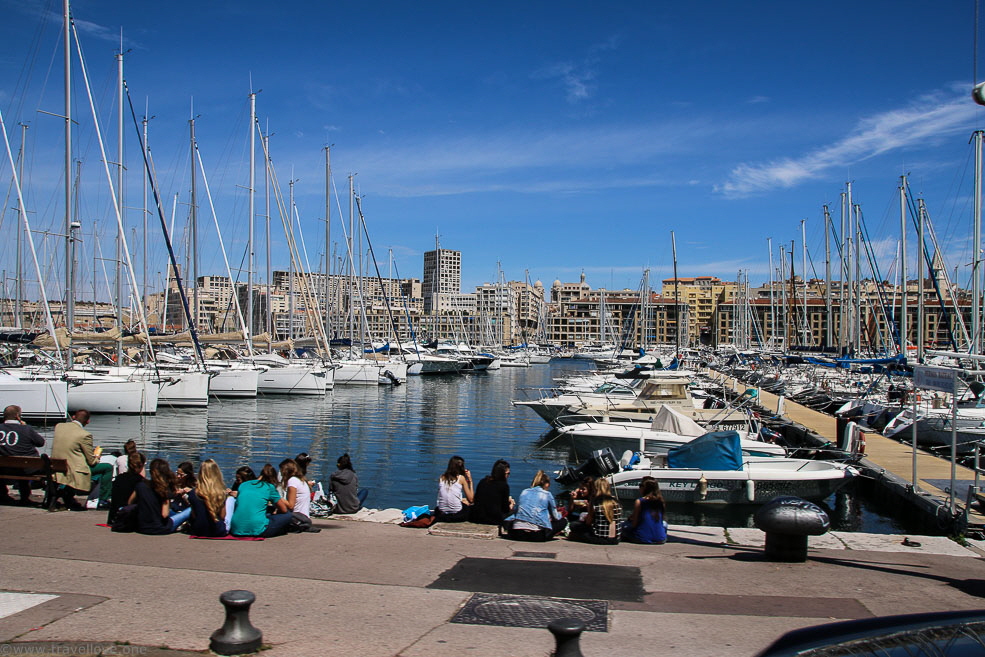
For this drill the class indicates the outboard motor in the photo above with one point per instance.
(602, 462)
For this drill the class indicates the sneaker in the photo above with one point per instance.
(103, 505)
(92, 505)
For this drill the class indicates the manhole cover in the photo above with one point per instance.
(527, 611)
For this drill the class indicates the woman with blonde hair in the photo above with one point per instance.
(537, 517)
(602, 524)
(208, 501)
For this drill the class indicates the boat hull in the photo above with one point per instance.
(621, 436)
(39, 400)
(96, 395)
(240, 383)
(735, 487)
(291, 380)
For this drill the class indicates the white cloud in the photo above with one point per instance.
(578, 78)
(930, 116)
(528, 160)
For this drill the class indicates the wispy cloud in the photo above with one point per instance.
(528, 160)
(931, 115)
(578, 77)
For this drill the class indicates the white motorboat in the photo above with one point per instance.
(670, 428)
(713, 470)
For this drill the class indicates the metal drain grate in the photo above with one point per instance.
(527, 611)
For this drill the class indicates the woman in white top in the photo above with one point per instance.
(454, 492)
(297, 492)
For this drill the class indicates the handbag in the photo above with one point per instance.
(125, 519)
(299, 522)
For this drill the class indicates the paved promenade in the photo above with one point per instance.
(367, 588)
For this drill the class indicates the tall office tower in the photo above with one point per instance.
(442, 278)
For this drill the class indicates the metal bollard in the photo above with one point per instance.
(237, 635)
(566, 633)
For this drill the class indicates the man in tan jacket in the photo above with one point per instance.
(74, 444)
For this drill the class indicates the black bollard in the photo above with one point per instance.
(237, 635)
(566, 633)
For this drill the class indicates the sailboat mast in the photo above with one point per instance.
(290, 251)
(842, 297)
(769, 247)
(69, 273)
(677, 308)
(803, 244)
(193, 228)
(976, 338)
(250, 264)
(18, 284)
(920, 284)
(904, 302)
(328, 238)
(118, 291)
(143, 296)
(352, 305)
(270, 287)
(827, 278)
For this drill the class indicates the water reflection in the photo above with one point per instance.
(400, 438)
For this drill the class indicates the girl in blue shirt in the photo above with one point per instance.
(537, 517)
(646, 525)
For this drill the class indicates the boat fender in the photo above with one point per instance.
(750, 490)
(859, 444)
(702, 487)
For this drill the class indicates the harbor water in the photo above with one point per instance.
(401, 437)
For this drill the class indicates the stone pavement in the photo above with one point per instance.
(374, 588)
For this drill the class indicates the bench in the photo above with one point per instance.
(46, 468)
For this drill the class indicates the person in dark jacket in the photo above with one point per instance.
(349, 498)
(125, 483)
(153, 500)
(492, 502)
(17, 439)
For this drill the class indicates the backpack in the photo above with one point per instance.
(125, 519)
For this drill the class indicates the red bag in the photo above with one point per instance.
(421, 521)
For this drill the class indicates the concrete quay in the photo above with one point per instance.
(374, 588)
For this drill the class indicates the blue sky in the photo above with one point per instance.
(548, 137)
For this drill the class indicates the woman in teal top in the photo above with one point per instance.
(250, 516)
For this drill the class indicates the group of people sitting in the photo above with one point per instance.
(156, 500)
(592, 516)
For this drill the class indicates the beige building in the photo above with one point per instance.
(702, 294)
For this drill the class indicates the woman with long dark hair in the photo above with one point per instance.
(349, 498)
(454, 492)
(492, 502)
(646, 525)
(153, 500)
(250, 517)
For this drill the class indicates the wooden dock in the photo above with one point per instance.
(890, 462)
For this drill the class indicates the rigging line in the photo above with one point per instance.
(167, 239)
